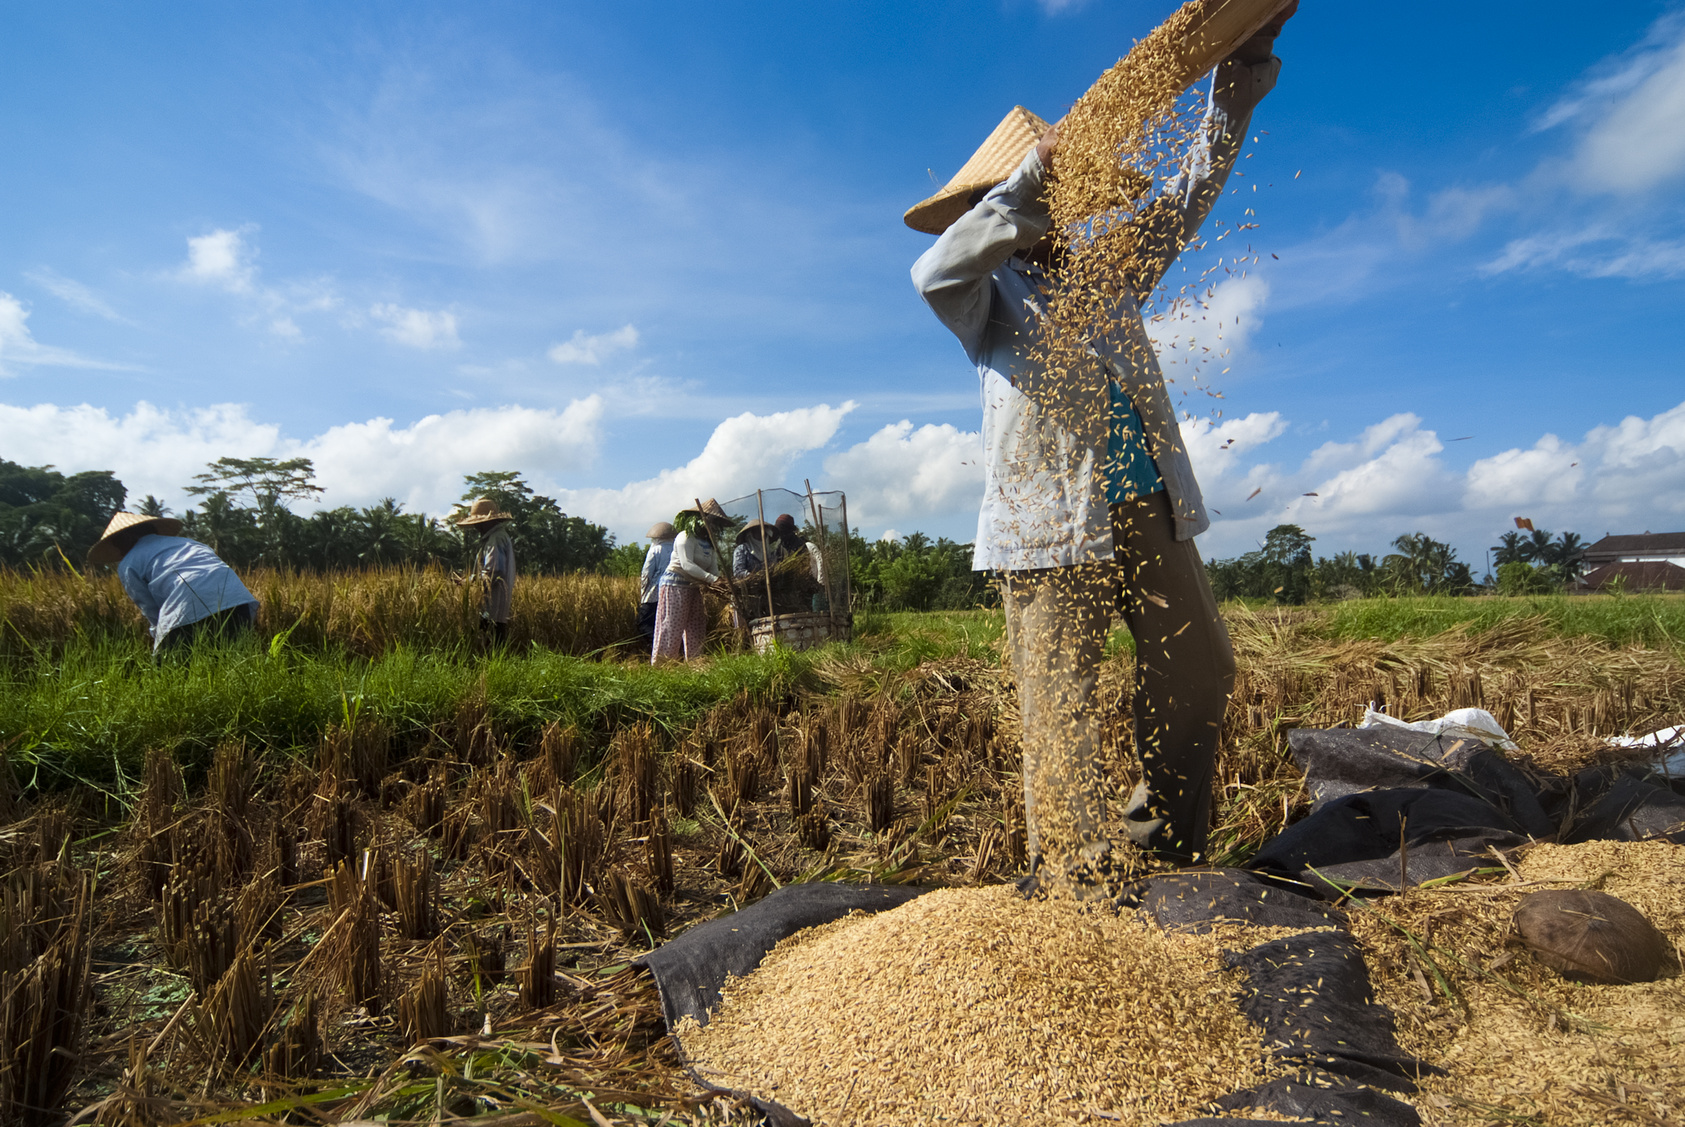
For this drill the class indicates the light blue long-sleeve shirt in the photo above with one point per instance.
(660, 554)
(175, 581)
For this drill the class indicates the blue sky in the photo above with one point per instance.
(648, 250)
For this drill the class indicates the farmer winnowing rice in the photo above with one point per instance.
(180, 585)
(1088, 484)
(681, 620)
(494, 564)
(656, 559)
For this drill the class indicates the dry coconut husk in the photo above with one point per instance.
(974, 1006)
(1519, 1042)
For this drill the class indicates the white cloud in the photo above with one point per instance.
(584, 348)
(157, 451)
(745, 453)
(286, 328)
(1393, 478)
(1628, 114)
(1548, 473)
(221, 258)
(1216, 450)
(75, 294)
(18, 346)
(927, 475)
(1594, 251)
(423, 464)
(1192, 334)
(417, 328)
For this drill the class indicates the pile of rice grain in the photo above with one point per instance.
(977, 1006)
(1532, 1046)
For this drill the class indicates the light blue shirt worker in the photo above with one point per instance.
(176, 581)
(660, 554)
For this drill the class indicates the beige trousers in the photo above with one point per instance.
(1057, 620)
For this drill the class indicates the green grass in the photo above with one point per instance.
(89, 716)
(88, 712)
(1618, 620)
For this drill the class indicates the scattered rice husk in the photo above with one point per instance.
(972, 1006)
(1532, 1046)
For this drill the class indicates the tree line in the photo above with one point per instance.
(49, 519)
(1284, 570)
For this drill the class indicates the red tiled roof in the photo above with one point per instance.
(1612, 548)
(1649, 575)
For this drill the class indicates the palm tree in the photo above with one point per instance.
(1508, 549)
(382, 533)
(1567, 556)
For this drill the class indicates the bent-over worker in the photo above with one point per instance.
(180, 585)
(1088, 486)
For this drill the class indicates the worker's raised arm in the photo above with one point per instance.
(1174, 218)
(953, 275)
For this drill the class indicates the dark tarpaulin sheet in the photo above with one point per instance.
(1392, 808)
(1311, 998)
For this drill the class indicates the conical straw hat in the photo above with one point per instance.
(483, 511)
(753, 528)
(998, 157)
(106, 550)
(710, 508)
(661, 530)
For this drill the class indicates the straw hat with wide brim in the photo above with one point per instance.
(111, 545)
(483, 511)
(710, 509)
(660, 530)
(998, 157)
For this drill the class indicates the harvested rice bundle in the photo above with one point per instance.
(977, 1006)
(1521, 1043)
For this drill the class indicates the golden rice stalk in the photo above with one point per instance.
(423, 1011)
(357, 752)
(658, 852)
(155, 817)
(628, 904)
(297, 1047)
(44, 957)
(425, 804)
(352, 945)
(878, 794)
(236, 1013)
(636, 766)
(537, 980)
(567, 853)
